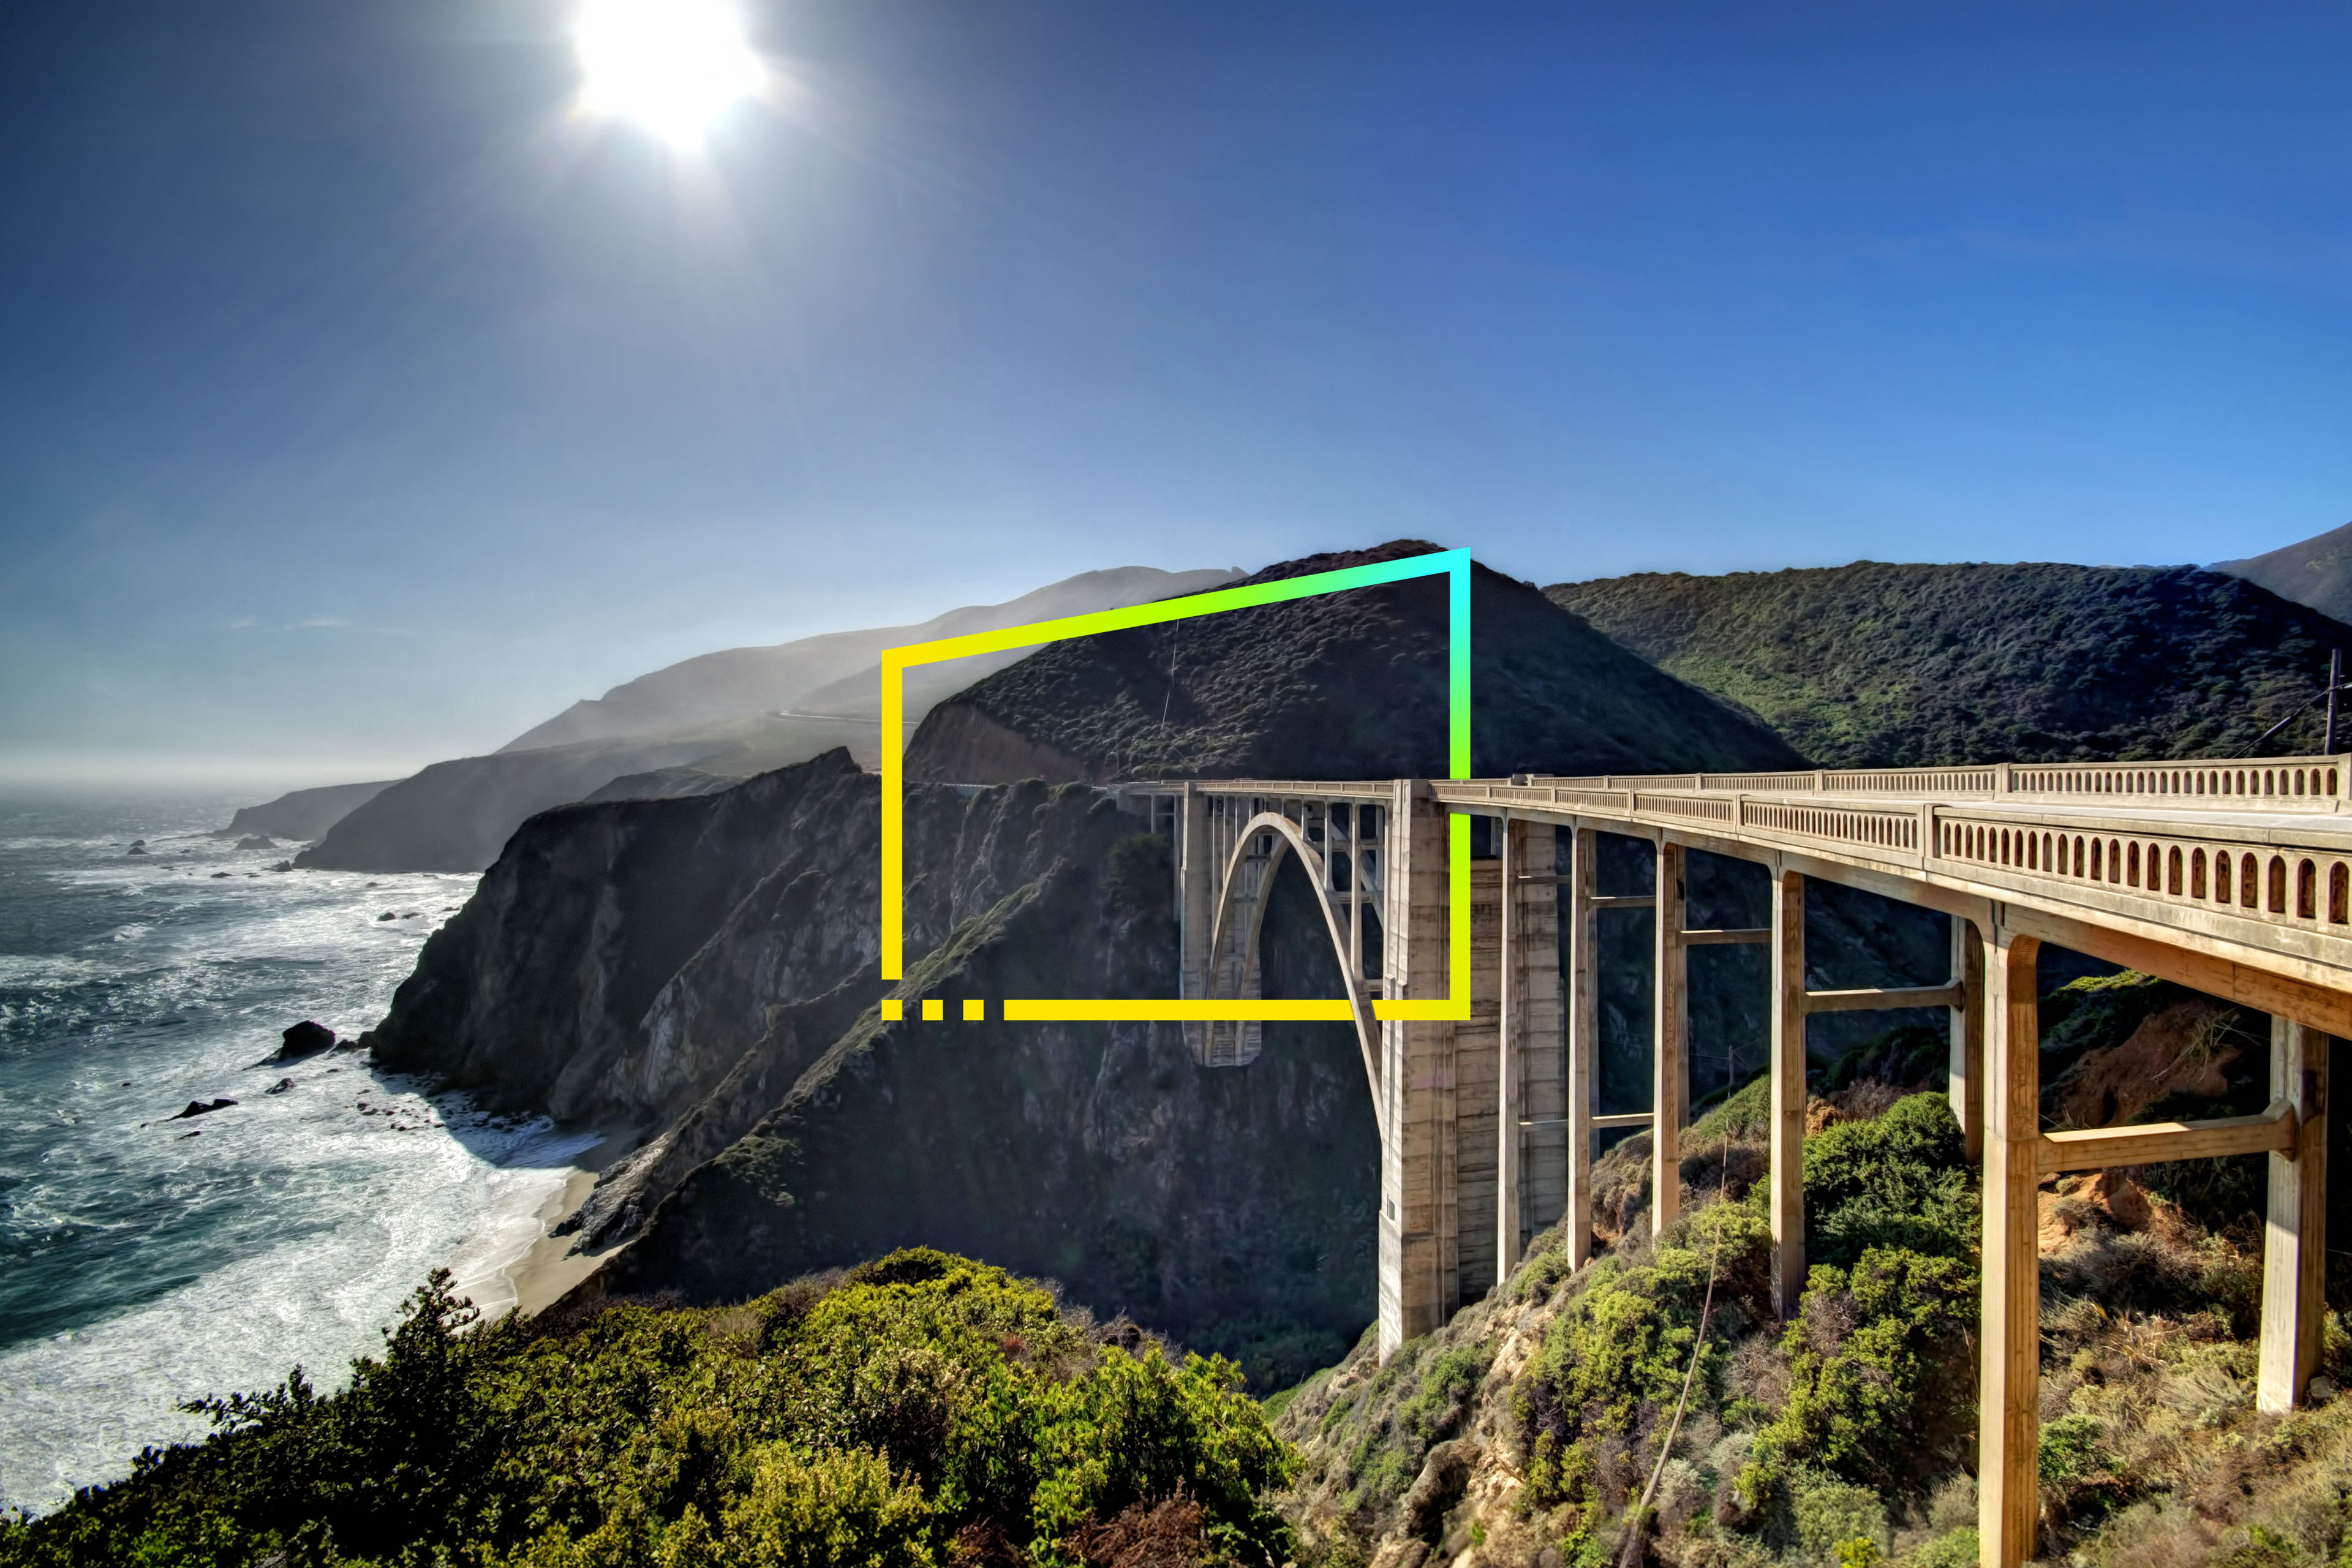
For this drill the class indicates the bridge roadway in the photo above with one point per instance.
(2232, 877)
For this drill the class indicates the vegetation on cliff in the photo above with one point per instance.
(920, 1409)
(1874, 665)
(1540, 1427)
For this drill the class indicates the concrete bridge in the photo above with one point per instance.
(2234, 878)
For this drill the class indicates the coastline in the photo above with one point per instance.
(547, 1268)
(513, 1262)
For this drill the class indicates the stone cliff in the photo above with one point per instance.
(699, 975)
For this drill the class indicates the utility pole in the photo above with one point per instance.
(2335, 685)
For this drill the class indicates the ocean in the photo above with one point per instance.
(147, 1260)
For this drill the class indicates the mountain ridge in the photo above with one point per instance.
(1882, 665)
(1351, 684)
(2317, 571)
(828, 672)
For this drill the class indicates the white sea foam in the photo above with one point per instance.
(147, 1260)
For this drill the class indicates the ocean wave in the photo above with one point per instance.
(147, 1259)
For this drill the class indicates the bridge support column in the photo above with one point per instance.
(2009, 1377)
(1788, 1092)
(1584, 1020)
(1531, 1113)
(1420, 1217)
(1670, 1092)
(2295, 1240)
(1967, 1061)
(1198, 872)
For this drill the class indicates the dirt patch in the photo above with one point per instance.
(2187, 1048)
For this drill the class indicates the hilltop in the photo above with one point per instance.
(1874, 665)
(837, 673)
(1348, 685)
(2316, 571)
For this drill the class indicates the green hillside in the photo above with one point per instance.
(1874, 665)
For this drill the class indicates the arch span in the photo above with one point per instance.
(1242, 899)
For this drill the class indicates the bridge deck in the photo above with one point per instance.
(2232, 877)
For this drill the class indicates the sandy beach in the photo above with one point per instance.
(548, 1268)
(514, 1262)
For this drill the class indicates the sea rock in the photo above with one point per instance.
(281, 1087)
(304, 1039)
(138, 846)
(387, 915)
(283, 866)
(203, 1108)
(220, 876)
(257, 841)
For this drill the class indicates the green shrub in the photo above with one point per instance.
(2070, 1447)
(871, 1420)
(1830, 1514)
(1857, 1551)
(1877, 1364)
(1433, 1388)
(1899, 1180)
(1141, 877)
(1956, 1549)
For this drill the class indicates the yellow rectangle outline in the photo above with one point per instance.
(1454, 1007)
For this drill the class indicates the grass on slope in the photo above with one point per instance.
(1526, 1431)
(1874, 664)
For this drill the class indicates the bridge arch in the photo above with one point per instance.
(1244, 892)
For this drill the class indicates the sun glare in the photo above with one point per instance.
(670, 65)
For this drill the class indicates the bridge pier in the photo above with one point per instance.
(2295, 1243)
(1420, 1217)
(1199, 871)
(1788, 1048)
(1583, 1028)
(1966, 1064)
(1670, 1069)
(2009, 1377)
(1532, 1109)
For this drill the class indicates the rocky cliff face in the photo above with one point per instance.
(302, 815)
(700, 974)
(1234, 1206)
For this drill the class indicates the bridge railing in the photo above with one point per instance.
(2248, 879)
(2270, 783)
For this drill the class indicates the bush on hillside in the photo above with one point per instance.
(1899, 1180)
(922, 1409)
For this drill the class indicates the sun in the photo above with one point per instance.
(672, 66)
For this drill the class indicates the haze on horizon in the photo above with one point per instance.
(365, 402)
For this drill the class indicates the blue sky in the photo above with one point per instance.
(361, 405)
